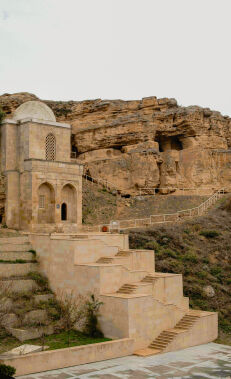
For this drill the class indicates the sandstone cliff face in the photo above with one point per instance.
(145, 143)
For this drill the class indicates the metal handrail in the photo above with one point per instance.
(199, 210)
(104, 182)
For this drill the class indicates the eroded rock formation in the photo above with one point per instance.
(145, 143)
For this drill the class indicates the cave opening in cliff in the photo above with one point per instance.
(117, 147)
(169, 143)
(176, 143)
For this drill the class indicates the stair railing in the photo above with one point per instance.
(103, 182)
(159, 218)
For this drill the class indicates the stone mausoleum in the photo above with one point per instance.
(145, 309)
(43, 185)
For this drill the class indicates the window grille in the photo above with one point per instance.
(41, 201)
(50, 147)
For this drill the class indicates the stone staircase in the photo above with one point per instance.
(123, 253)
(160, 344)
(149, 279)
(20, 294)
(187, 321)
(105, 260)
(17, 259)
(127, 289)
(13, 248)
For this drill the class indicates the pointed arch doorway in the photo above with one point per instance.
(69, 204)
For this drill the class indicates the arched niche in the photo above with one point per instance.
(69, 204)
(46, 204)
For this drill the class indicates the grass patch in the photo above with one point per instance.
(60, 340)
(13, 262)
(55, 341)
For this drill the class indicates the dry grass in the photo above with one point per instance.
(200, 250)
(99, 206)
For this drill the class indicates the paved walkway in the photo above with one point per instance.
(206, 361)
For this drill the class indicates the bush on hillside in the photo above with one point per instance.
(6, 371)
(2, 115)
(209, 233)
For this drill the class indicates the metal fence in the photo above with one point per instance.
(159, 218)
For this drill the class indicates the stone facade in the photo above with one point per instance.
(43, 185)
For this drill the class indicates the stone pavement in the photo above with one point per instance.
(205, 361)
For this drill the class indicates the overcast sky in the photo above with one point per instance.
(110, 49)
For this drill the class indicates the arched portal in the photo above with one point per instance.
(64, 212)
(69, 198)
(46, 206)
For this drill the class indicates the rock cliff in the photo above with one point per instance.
(145, 143)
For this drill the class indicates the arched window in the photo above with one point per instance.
(50, 147)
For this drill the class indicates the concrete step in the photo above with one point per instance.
(14, 240)
(18, 285)
(8, 270)
(147, 352)
(164, 339)
(160, 342)
(127, 288)
(13, 255)
(123, 253)
(24, 334)
(148, 279)
(15, 247)
(104, 260)
(157, 345)
(185, 323)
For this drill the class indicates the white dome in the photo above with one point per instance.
(34, 109)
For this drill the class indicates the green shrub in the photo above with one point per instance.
(2, 115)
(153, 245)
(6, 370)
(41, 280)
(190, 257)
(92, 311)
(209, 233)
(202, 274)
(32, 251)
(215, 271)
(171, 253)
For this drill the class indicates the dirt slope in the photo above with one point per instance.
(99, 206)
(200, 250)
